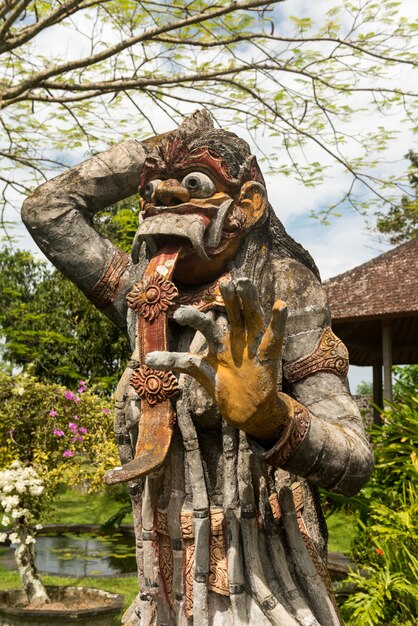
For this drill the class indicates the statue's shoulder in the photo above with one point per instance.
(294, 282)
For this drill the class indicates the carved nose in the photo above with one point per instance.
(171, 193)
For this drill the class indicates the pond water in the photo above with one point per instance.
(84, 555)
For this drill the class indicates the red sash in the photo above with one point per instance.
(151, 299)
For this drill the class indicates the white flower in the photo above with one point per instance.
(36, 490)
(20, 391)
(29, 540)
(5, 521)
(9, 502)
(38, 526)
(14, 538)
(16, 480)
(3, 537)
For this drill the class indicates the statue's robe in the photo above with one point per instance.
(228, 531)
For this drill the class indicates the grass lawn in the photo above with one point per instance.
(73, 507)
(341, 530)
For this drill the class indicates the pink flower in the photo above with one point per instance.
(52, 414)
(69, 395)
(58, 432)
(80, 438)
(73, 427)
(83, 430)
(105, 411)
(68, 453)
(75, 417)
(77, 399)
(83, 386)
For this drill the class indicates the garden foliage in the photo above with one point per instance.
(66, 435)
(49, 435)
(49, 326)
(387, 541)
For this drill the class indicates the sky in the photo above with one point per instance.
(343, 244)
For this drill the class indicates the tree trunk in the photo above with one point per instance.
(25, 561)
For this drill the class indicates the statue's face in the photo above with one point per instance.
(197, 209)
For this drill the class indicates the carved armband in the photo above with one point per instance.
(107, 288)
(329, 355)
(292, 436)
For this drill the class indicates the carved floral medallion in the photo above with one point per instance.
(152, 297)
(154, 386)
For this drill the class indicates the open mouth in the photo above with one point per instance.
(185, 224)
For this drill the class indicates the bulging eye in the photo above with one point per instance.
(149, 189)
(198, 185)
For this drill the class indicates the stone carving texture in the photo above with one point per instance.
(218, 568)
(205, 299)
(108, 287)
(232, 549)
(293, 435)
(165, 555)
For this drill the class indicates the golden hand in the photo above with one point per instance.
(240, 368)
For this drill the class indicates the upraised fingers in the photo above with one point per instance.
(272, 341)
(232, 304)
(235, 318)
(251, 309)
(185, 363)
(190, 316)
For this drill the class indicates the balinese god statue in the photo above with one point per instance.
(233, 408)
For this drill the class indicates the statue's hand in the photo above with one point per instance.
(240, 368)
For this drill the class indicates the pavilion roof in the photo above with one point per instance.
(385, 286)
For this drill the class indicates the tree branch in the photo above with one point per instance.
(29, 32)
(20, 8)
(127, 43)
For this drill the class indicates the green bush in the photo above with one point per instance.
(390, 593)
(386, 544)
(50, 329)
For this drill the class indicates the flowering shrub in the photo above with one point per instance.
(48, 435)
(22, 498)
(65, 434)
(386, 544)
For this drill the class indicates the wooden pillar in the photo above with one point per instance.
(377, 392)
(387, 360)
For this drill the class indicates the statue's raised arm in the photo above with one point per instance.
(59, 216)
(234, 407)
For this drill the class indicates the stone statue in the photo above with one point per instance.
(228, 417)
